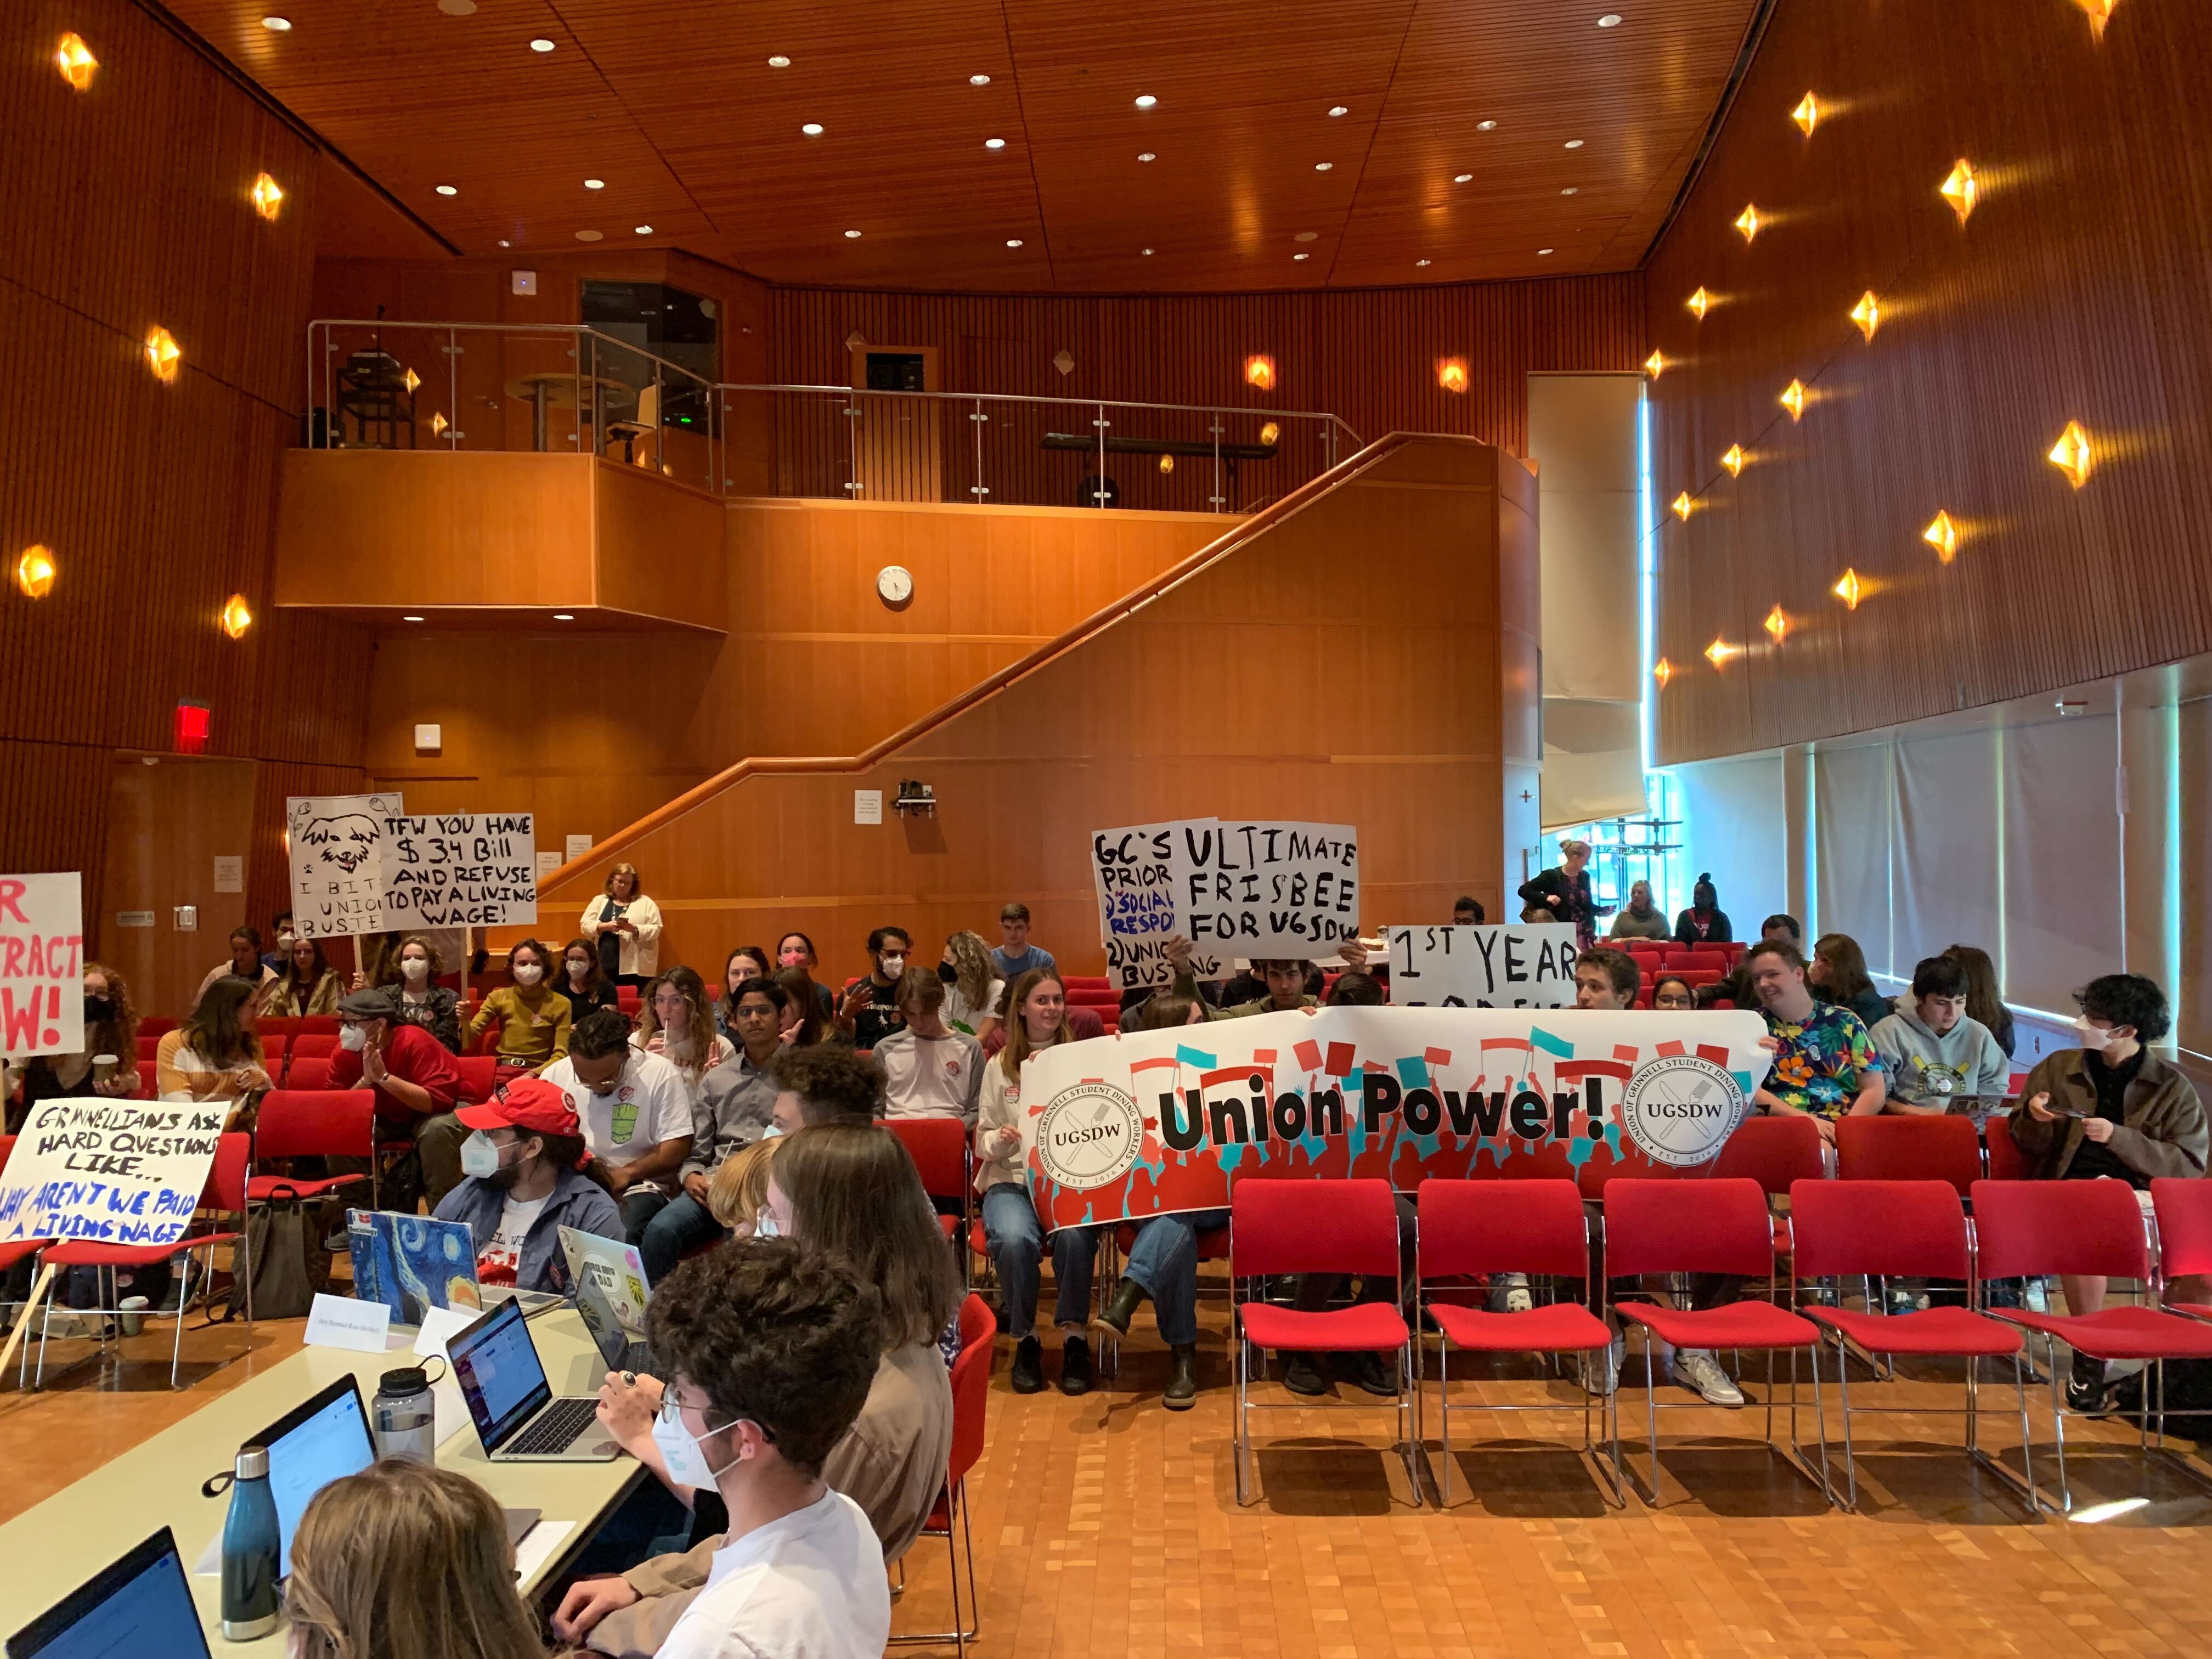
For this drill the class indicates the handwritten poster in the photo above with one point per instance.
(42, 964)
(118, 1171)
(1139, 873)
(460, 869)
(1529, 965)
(337, 846)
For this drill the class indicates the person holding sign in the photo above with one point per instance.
(1285, 979)
(527, 1175)
(1565, 892)
(1606, 979)
(111, 1032)
(627, 926)
(415, 1079)
(533, 1017)
(1825, 1063)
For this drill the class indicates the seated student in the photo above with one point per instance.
(533, 1017)
(405, 1561)
(415, 1081)
(586, 985)
(1355, 988)
(215, 1055)
(1671, 993)
(738, 1195)
(280, 930)
(803, 1022)
(111, 1028)
(825, 1083)
(245, 963)
(306, 984)
(675, 1022)
(1985, 1000)
(1467, 912)
(635, 1112)
(797, 951)
(746, 962)
(1783, 929)
(2111, 1109)
(974, 992)
(1163, 1262)
(412, 972)
(1936, 1057)
(1015, 956)
(1013, 1233)
(528, 1174)
(730, 1110)
(850, 1191)
(868, 1012)
(1536, 913)
(1637, 919)
(1285, 978)
(1837, 973)
(1705, 922)
(1606, 979)
(930, 1070)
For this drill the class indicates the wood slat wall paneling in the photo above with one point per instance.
(2077, 289)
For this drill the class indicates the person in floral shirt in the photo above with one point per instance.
(1825, 1063)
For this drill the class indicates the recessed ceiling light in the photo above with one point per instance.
(645, 230)
(995, 144)
(813, 129)
(541, 44)
(1146, 101)
(1542, 252)
(1298, 256)
(1462, 178)
(1307, 236)
(562, 616)
(1146, 155)
(1569, 191)
(1339, 110)
(595, 184)
(979, 80)
(448, 190)
(1013, 242)
(277, 25)
(1574, 144)
(779, 61)
(1323, 167)
(591, 236)
(504, 242)
(1610, 21)
(410, 619)
(1148, 253)
(851, 235)
(1420, 262)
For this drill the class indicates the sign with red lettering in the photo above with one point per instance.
(1125, 1126)
(42, 965)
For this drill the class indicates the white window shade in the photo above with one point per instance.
(2061, 861)
(1945, 833)
(1851, 802)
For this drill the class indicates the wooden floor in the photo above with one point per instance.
(1105, 1525)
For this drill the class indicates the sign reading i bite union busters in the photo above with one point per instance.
(1123, 1127)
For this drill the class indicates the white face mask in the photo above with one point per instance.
(284, 941)
(353, 1038)
(2095, 1039)
(894, 966)
(687, 1463)
(415, 968)
(579, 969)
(528, 973)
(480, 1156)
(765, 1224)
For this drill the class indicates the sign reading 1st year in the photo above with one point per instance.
(1529, 965)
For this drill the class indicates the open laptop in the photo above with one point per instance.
(139, 1606)
(611, 1295)
(512, 1406)
(319, 1440)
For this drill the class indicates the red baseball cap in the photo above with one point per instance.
(528, 1103)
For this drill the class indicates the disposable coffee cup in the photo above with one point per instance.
(132, 1311)
(103, 1067)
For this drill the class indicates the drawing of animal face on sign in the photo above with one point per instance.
(349, 840)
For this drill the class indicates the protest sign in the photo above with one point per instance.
(1529, 965)
(1127, 1127)
(338, 853)
(1140, 875)
(115, 1171)
(460, 869)
(41, 965)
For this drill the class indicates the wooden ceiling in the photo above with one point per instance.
(674, 105)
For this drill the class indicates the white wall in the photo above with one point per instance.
(1733, 825)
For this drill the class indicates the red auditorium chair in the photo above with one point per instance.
(1910, 1149)
(940, 1150)
(315, 1045)
(1471, 1227)
(307, 1074)
(1777, 1153)
(2006, 1161)
(971, 1398)
(479, 1076)
(157, 1026)
(1283, 1227)
(1899, 1229)
(2185, 1234)
(318, 1025)
(273, 1044)
(310, 1123)
(1698, 978)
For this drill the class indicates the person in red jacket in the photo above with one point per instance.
(415, 1079)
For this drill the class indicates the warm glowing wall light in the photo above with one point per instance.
(1260, 371)
(1849, 589)
(1662, 670)
(1733, 461)
(1793, 399)
(1683, 505)
(2072, 455)
(163, 355)
(236, 617)
(1655, 365)
(1960, 189)
(77, 61)
(1777, 625)
(34, 573)
(1699, 304)
(1720, 651)
(410, 380)
(268, 197)
(438, 425)
(1167, 463)
(1808, 113)
(1269, 434)
(1451, 374)
(1867, 313)
(1942, 535)
(2100, 13)
(1748, 222)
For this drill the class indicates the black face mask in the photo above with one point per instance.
(948, 973)
(98, 1011)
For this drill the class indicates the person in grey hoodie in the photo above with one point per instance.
(1935, 1051)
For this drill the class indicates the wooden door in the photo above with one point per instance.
(170, 819)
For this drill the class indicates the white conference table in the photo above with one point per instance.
(50, 1549)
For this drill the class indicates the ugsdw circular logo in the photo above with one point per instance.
(1089, 1136)
(1680, 1110)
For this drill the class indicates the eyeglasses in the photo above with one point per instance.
(671, 1406)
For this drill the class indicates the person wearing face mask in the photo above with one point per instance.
(415, 1079)
(410, 971)
(526, 1174)
(773, 1352)
(974, 992)
(586, 984)
(533, 1018)
(635, 1108)
(306, 985)
(279, 929)
(795, 951)
(2112, 1110)
(1639, 918)
(110, 1029)
(869, 1011)
(1939, 1058)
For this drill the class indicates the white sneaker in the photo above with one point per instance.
(1602, 1370)
(1509, 1293)
(1699, 1372)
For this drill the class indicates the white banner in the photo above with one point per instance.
(1529, 965)
(460, 869)
(118, 1171)
(42, 965)
(337, 846)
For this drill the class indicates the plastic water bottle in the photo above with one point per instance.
(250, 1546)
(405, 1416)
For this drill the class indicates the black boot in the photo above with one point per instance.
(1369, 1371)
(1182, 1392)
(1028, 1366)
(1301, 1374)
(1075, 1367)
(1116, 1315)
(2085, 1390)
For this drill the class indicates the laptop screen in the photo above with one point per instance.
(317, 1443)
(496, 1365)
(140, 1604)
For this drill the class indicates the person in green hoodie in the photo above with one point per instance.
(1938, 1057)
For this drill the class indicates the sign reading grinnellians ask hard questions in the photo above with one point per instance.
(1127, 1126)
(117, 1171)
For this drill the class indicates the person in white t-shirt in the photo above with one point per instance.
(930, 1070)
(786, 1340)
(974, 995)
(635, 1111)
